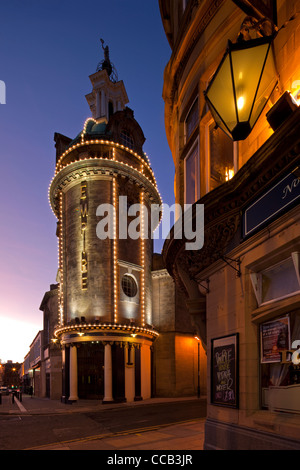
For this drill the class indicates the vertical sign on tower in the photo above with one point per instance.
(83, 218)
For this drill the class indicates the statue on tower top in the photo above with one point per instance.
(106, 51)
(107, 65)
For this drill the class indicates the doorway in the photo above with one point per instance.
(90, 358)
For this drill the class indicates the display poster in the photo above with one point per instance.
(274, 338)
(224, 371)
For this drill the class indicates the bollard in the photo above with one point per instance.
(20, 397)
(12, 397)
(0, 398)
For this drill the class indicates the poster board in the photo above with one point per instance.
(274, 338)
(224, 371)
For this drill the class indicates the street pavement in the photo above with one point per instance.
(184, 435)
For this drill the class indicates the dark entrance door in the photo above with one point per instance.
(47, 385)
(90, 357)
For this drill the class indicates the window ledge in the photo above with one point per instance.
(278, 307)
(287, 424)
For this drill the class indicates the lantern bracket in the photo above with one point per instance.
(262, 28)
(205, 287)
(226, 259)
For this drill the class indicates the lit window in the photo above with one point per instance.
(192, 175)
(191, 120)
(127, 140)
(129, 285)
(277, 282)
(221, 156)
(280, 373)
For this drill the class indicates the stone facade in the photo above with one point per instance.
(176, 359)
(243, 281)
(51, 353)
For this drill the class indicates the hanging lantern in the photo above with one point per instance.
(242, 86)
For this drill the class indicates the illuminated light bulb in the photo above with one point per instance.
(296, 96)
(229, 173)
(240, 103)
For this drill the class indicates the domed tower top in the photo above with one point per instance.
(108, 94)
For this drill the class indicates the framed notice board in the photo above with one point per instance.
(224, 371)
(275, 337)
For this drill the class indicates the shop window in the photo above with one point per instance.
(221, 157)
(191, 120)
(280, 373)
(192, 175)
(278, 281)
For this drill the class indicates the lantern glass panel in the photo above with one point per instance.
(267, 84)
(221, 95)
(247, 66)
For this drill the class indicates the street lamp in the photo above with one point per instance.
(198, 387)
(242, 85)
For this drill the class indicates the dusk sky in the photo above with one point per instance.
(48, 49)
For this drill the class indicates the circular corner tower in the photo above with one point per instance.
(102, 193)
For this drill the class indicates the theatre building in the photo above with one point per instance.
(104, 323)
(232, 117)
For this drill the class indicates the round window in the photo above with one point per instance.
(129, 285)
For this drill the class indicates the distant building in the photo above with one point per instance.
(178, 359)
(35, 360)
(26, 374)
(41, 370)
(51, 353)
(10, 374)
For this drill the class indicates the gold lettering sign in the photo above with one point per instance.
(83, 205)
(84, 270)
(83, 219)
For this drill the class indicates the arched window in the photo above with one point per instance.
(126, 139)
(110, 109)
(191, 120)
